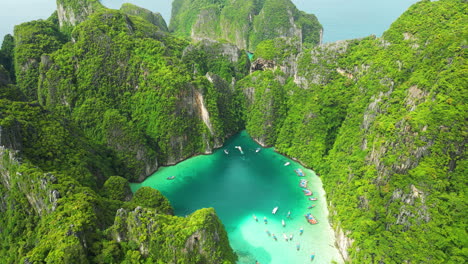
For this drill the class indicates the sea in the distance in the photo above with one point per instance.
(341, 19)
(241, 185)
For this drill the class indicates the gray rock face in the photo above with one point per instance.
(262, 65)
(37, 188)
(197, 237)
(73, 12)
(154, 18)
(244, 23)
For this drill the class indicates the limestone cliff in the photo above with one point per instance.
(120, 70)
(154, 18)
(385, 118)
(50, 199)
(197, 238)
(244, 23)
(32, 40)
(72, 12)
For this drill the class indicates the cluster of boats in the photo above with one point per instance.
(299, 172)
(303, 184)
(240, 150)
(311, 219)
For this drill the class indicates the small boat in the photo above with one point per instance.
(258, 150)
(274, 237)
(298, 246)
(311, 219)
(274, 210)
(287, 163)
(283, 223)
(307, 192)
(285, 237)
(303, 183)
(299, 172)
(301, 231)
(226, 151)
(268, 232)
(265, 220)
(312, 256)
(171, 178)
(240, 149)
(290, 237)
(289, 214)
(255, 217)
(313, 198)
(312, 206)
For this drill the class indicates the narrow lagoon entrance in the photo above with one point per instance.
(240, 185)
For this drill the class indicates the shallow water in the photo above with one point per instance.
(239, 186)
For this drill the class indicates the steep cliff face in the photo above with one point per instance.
(264, 104)
(32, 40)
(59, 216)
(7, 52)
(383, 120)
(244, 23)
(117, 68)
(198, 238)
(72, 12)
(154, 18)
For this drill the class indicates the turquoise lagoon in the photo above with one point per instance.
(239, 186)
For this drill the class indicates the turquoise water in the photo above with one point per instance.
(239, 186)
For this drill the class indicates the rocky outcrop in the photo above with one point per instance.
(319, 65)
(343, 243)
(33, 39)
(154, 18)
(73, 12)
(37, 187)
(244, 23)
(10, 135)
(172, 239)
(262, 65)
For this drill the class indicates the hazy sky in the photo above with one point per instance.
(341, 19)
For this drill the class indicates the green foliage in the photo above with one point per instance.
(197, 238)
(244, 23)
(75, 12)
(7, 53)
(152, 198)
(265, 104)
(222, 59)
(117, 188)
(278, 49)
(384, 122)
(277, 18)
(185, 15)
(154, 18)
(33, 40)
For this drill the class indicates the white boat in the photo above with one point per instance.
(240, 149)
(257, 150)
(226, 151)
(274, 210)
(285, 237)
(287, 163)
(283, 223)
